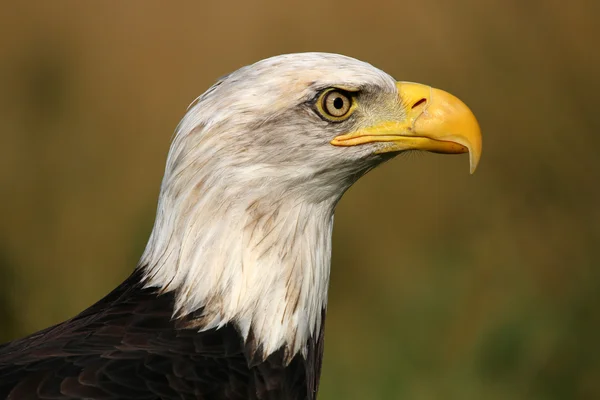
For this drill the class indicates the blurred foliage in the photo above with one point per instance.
(444, 285)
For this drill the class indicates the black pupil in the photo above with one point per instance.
(338, 103)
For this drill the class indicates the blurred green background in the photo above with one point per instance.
(444, 285)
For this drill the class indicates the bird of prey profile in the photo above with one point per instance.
(229, 298)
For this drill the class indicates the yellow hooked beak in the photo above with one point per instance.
(435, 121)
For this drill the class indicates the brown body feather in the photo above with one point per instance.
(127, 346)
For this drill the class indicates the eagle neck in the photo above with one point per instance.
(260, 264)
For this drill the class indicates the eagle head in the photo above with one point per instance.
(255, 169)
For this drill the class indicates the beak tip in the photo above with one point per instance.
(475, 150)
(472, 163)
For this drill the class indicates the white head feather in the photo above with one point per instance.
(245, 215)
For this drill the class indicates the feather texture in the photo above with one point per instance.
(127, 346)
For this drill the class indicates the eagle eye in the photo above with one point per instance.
(335, 104)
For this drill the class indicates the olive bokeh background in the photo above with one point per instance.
(444, 285)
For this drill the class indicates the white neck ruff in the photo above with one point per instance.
(260, 264)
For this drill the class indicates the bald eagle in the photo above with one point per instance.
(229, 298)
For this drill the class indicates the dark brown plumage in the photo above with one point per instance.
(126, 346)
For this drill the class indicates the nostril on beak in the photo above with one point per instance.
(418, 103)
